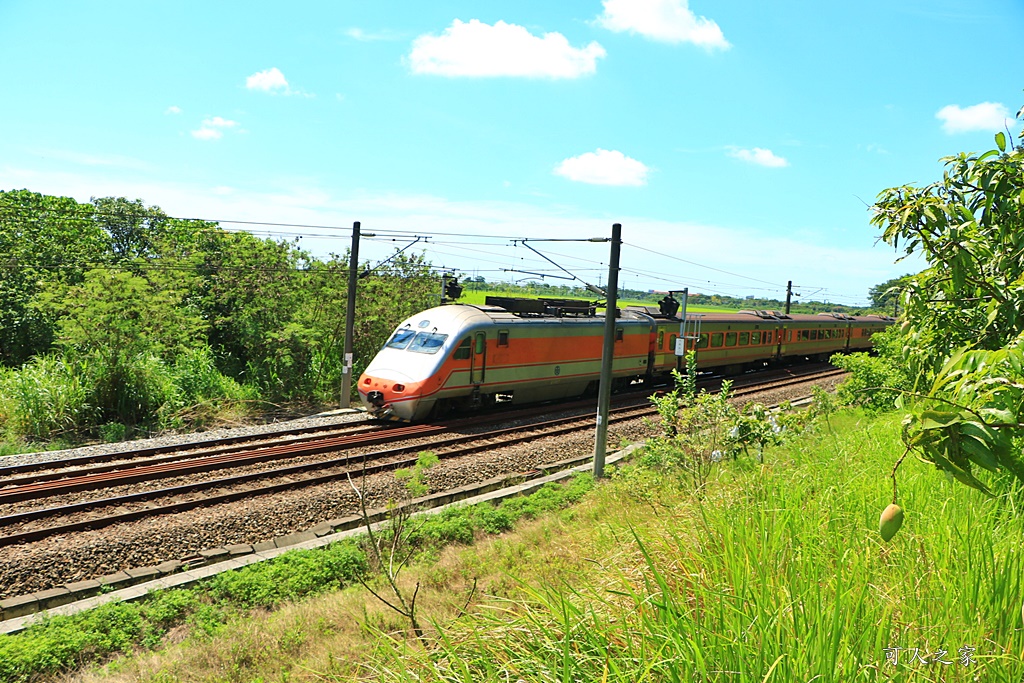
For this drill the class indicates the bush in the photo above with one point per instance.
(291, 576)
(868, 374)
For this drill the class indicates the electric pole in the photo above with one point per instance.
(604, 391)
(350, 317)
(789, 294)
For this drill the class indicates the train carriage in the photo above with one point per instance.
(456, 357)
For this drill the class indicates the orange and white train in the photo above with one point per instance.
(456, 357)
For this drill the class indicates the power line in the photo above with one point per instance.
(700, 265)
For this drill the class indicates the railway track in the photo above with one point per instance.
(25, 526)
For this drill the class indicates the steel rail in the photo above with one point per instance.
(510, 436)
(477, 442)
(180, 449)
(107, 476)
(148, 472)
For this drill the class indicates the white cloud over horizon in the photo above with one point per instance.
(478, 50)
(173, 109)
(986, 116)
(604, 167)
(759, 157)
(667, 21)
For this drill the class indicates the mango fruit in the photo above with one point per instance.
(890, 521)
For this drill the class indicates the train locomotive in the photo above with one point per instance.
(458, 357)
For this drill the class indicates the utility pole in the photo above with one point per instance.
(789, 294)
(350, 316)
(604, 391)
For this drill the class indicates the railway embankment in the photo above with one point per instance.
(775, 569)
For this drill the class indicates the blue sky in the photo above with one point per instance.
(736, 136)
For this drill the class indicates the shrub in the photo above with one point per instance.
(291, 576)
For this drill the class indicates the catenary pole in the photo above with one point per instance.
(789, 295)
(604, 391)
(350, 317)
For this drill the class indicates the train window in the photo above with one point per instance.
(744, 338)
(805, 335)
(702, 343)
(618, 334)
(481, 342)
(401, 339)
(730, 339)
(755, 337)
(661, 339)
(814, 335)
(672, 342)
(716, 338)
(462, 353)
(427, 342)
(502, 337)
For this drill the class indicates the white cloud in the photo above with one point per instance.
(987, 116)
(218, 122)
(603, 167)
(668, 21)
(173, 109)
(359, 34)
(270, 80)
(476, 49)
(273, 81)
(761, 157)
(207, 134)
(212, 128)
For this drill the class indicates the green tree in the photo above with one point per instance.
(116, 313)
(964, 329)
(44, 241)
(885, 296)
(133, 229)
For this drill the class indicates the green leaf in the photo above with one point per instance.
(1001, 142)
(934, 419)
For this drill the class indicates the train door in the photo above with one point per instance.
(478, 359)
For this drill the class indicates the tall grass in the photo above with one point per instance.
(777, 574)
(57, 395)
(45, 398)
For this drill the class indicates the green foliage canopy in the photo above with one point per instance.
(964, 315)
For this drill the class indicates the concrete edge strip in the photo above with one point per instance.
(191, 576)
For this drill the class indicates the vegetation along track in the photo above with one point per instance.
(65, 557)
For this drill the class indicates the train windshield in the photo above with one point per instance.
(401, 339)
(427, 342)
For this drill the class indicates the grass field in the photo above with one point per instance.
(777, 574)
